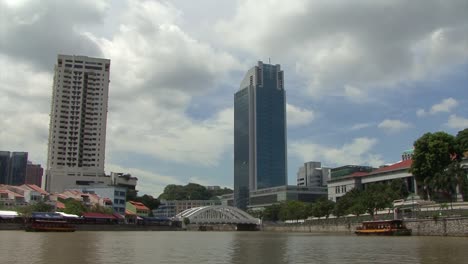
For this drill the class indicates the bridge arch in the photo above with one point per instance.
(217, 214)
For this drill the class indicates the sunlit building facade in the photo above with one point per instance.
(78, 118)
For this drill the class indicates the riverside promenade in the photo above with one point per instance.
(443, 226)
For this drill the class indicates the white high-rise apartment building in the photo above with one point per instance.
(77, 131)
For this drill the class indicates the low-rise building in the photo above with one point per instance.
(171, 208)
(125, 180)
(338, 187)
(114, 196)
(269, 196)
(13, 196)
(136, 208)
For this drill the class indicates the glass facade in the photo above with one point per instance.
(259, 132)
(13, 168)
(241, 148)
(19, 162)
(4, 166)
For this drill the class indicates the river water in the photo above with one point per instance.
(225, 247)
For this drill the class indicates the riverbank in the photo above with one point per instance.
(84, 227)
(456, 227)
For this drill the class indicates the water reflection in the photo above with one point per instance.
(443, 250)
(250, 248)
(67, 247)
(224, 247)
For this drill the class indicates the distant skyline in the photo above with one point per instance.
(364, 78)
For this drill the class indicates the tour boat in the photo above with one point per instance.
(383, 227)
(50, 226)
(48, 222)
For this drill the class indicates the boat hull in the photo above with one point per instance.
(378, 232)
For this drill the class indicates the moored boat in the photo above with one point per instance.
(50, 226)
(383, 227)
(48, 222)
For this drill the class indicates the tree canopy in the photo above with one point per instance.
(462, 140)
(436, 162)
(433, 152)
(191, 191)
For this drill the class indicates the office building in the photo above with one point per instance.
(34, 174)
(259, 132)
(4, 166)
(77, 130)
(262, 198)
(13, 167)
(313, 175)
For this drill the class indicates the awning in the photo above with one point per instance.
(98, 216)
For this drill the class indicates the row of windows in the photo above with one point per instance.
(340, 189)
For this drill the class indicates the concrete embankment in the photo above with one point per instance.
(421, 227)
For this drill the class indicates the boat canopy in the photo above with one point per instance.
(8, 214)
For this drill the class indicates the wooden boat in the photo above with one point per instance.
(50, 226)
(383, 227)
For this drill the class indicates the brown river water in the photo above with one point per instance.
(225, 247)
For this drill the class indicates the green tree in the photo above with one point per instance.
(271, 213)
(191, 191)
(100, 209)
(348, 204)
(292, 210)
(377, 197)
(321, 208)
(433, 152)
(449, 180)
(462, 140)
(37, 207)
(398, 189)
(148, 200)
(73, 206)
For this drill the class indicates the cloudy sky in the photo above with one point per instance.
(364, 79)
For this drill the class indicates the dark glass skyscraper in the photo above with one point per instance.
(259, 132)
(13, 167)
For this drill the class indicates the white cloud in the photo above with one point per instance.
(421, 112)
(24, 114)
(357, 152)
(445, 106)
(161, 68)
(457, 122)
(297, 116)
(393, 125)
(355, 94)
(334, 44)
(360, 126)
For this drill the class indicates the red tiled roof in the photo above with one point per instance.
(118, 216)
(139, 206)
(128, 212)
(37, 189)
(60, 205)
(406, 164)
(359, 174)
(98, 215)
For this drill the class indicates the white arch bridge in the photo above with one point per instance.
(217, 214)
